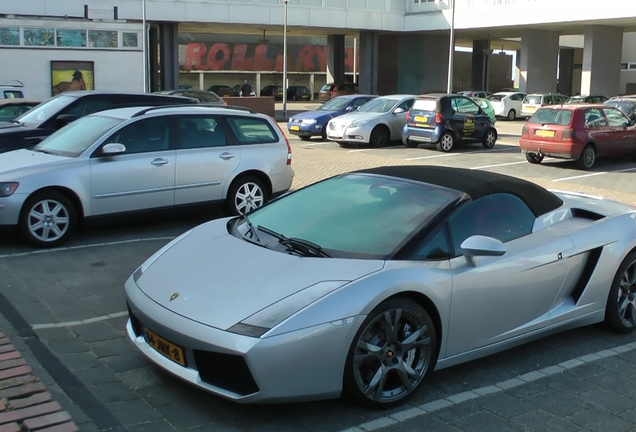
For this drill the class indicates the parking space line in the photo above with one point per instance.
(459, 154)
(80, 322)
(456, 399)
(317, 143)
(593, 174)
(498, 165)
(374, 148)
(61, 249)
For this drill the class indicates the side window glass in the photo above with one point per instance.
(436, 247)
(406, 105)
(13, 94)
(201, 132)
(615, 118)
(252, 130)
(88, 106)
(359, 102)
(467, 106)
(594, 118)
(143, 136)
(547, 100)
(455, 104)
(501, 216)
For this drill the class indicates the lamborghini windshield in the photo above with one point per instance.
(355, 215)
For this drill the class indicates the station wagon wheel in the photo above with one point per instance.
(391, 354)
(379, 136)
(534, 158)
(247, 193)
(446, 142)
(47, 219)
(489, 139)
(620, 311)
(512, 114)
(587, 158)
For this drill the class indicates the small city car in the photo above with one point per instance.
(273, 90)
(222, 90)
(332, 90)
(532, 102)
(446, 120)
(298, 93)
(507, 104)
(135, 159)
(578, 132)
(314, 123)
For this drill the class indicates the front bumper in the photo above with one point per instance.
(10, 208)
(306, 364)
(351, 134)
(304, 130)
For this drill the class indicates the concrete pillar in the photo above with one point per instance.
(422, 63)
(312, 84)
(335, 58)
(368, 78)
(153, 51)
(602, 50)
(169, 55)
(538, 64)
(201, 81)
(479, 70)
(257, 84)
(517, 69)
(566, 64)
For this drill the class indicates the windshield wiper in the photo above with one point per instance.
(250, 227)
(303, 247)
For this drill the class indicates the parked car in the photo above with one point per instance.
(581, 133)
(481, 94)
(142, 159)
(446, 120)
(298, 93)
(532, 102)
(332, 90)
(15, 90)
(35, 125)
(238, 90)
(375, 123)
(507, 104)
(626, 104)
(314, 123)
(222, 90)
(594, 99)
(203, 96)
(366, 282)
(10, 109)
(273, 90)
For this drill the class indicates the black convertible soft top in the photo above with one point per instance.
(475, 183)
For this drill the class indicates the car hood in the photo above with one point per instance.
(316, 115)
(222, 279)
(359, 116)
(8, 126)
(19, 160)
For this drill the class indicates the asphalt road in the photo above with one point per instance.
(73, 299)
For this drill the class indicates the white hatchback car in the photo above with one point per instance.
(507, 104)
(143, 158)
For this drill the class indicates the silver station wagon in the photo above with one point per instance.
(144, 158)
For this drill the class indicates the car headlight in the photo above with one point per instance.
(359, 123)
(142, 268)
(309, 121)
(262, 321)
(8, 188)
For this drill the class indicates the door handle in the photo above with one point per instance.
(226, 156)
(159, 162)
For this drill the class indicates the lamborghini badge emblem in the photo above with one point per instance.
(174, 296)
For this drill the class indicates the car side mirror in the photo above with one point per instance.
(478, 245)
(112, 149)
(398, 111)
(64, 119)
(631, 122)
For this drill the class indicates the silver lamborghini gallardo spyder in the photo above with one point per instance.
(365, 282)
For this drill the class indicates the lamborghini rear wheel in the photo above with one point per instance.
(391, 354)
(620, 311)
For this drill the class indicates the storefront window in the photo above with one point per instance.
(102, 39)
(39, 36)
(129, 40)
(71, 38)
(9, 36)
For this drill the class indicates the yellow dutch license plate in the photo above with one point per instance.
(544, 133)
(165, 347)
(531, 108)
(419, 119)
(294, 128)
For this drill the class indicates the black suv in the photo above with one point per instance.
(40, 122)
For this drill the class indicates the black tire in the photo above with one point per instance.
(57, 222)
(587, 159)
(489, 139)
(304, 137)
(534, 158)
(246, 193)
(512, 115)
(363, 364)
(379, 136)
(323, 136)
(620, 310)
(446, 142)
(410, 144)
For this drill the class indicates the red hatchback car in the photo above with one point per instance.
(578, 132)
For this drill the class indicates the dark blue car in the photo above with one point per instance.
(314, 123)
(446, 120)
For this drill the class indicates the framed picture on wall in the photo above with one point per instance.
(71, 75)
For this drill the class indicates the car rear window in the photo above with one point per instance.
(496, 98)
(560, 117)
(326, 87)
(534, 99)
(252, 130)
(425, 104)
